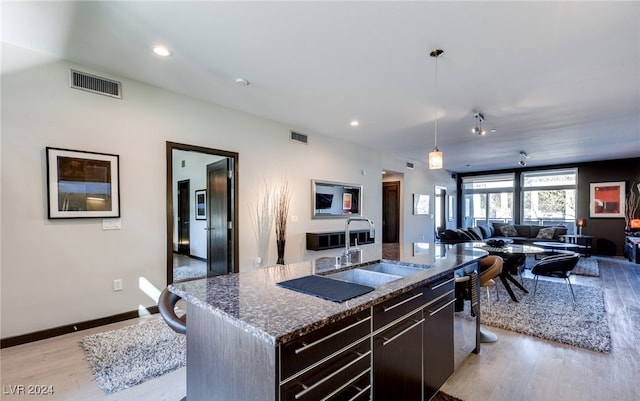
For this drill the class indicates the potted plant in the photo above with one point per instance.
(283, 198)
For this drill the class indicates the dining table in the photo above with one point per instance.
(510, 253)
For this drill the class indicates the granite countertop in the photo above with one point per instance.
(252, 301)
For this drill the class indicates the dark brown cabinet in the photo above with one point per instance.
(397, 360)
(332, 363)
(413, 346)
(438, 340)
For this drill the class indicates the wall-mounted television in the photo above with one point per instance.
(324, 201)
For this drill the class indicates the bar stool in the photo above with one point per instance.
(166, 305)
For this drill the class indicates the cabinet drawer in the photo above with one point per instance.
(346, 376)
(436, 288)
(392, 309)
(307, 350)
(397, 361)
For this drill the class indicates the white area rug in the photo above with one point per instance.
(188, 273)
(550, 314)
(126, 357)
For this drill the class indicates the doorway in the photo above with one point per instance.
(440, 206)
(191, 163)
(390, 212)
(184, 226)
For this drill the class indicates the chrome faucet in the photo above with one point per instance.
(347, 235)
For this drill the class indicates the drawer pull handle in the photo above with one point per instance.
(436, 300)
(350, 382)
(364, 390)
(313, 344)
(435, 287)
(388, 340)
(388, 308)
(442, 307)
(324, 379)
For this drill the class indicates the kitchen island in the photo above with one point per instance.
(249, 339)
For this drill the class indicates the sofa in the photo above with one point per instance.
(518, 233)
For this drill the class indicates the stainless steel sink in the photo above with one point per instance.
(391, 268)
(364, 277)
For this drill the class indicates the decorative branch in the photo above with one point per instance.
(262, 215)
(281, 210)
(632, 204)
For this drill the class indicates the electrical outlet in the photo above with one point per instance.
(111, 224)
(117, 284)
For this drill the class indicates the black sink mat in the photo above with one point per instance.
(326, 288)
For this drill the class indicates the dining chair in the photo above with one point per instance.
(490, 267)
(558, 266)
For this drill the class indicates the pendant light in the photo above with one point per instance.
(435, 156)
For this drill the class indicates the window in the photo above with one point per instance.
(488, 199)
(549, 197)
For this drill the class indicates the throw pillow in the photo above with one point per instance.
(450, 235)
(476, 233)
(463, 234)
(486, 231)
(546, 233)
(509, 230)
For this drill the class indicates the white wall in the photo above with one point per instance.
(57, 272)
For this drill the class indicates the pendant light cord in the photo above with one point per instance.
(436, 108)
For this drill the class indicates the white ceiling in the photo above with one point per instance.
(558, 80)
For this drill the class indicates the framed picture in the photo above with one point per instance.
(607, 199)
(82, 184)
(451, 208)
(346, 201)
(420, 204)
(201, 204)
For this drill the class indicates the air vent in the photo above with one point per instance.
(95, 84)
(302, 138)
(410, 165)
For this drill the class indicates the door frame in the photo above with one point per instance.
(170, 147)
(398, 185)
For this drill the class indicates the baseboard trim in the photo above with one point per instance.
(71, 328)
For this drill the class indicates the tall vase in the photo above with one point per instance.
(280, 245)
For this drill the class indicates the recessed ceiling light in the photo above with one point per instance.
(354, 123)
(242, 82)
(161, 51)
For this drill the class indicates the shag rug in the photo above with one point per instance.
(550, 314)
(585, 267)
(188, 273)
(440, 396)
(126, 357)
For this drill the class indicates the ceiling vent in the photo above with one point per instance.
(298, 137)
(410, 165)
(95, 84)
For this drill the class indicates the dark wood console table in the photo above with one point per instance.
(335, 239)
(585, 242)
(632, 248)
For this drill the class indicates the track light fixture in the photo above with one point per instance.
(523, 158)
(478, 128)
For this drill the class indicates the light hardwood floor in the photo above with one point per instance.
(523, 368)
(516, 367)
